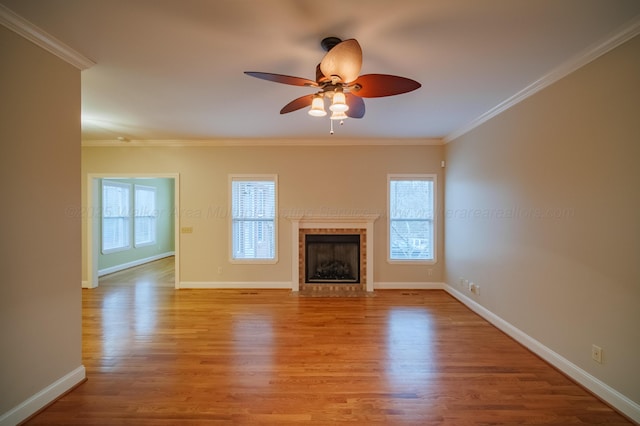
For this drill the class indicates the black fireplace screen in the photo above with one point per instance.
(332, 258)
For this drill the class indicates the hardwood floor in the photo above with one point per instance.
(158, 273)
(159, 356)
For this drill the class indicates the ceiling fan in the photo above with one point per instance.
(338, 80)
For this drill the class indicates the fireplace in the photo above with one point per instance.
(340, 229)
(332, 258)
(332, 261)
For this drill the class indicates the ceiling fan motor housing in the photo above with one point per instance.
(328, 43)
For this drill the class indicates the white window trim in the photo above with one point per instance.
(135, 209)
(419, 176)
(254, 177)
(123, 248)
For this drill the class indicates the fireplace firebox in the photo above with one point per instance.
(332, 258)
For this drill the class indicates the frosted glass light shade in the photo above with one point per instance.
(339, 103)
(317, 107)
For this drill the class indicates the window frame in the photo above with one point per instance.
(434, 229)
(153, 215)
(127, 217)
(253, 178)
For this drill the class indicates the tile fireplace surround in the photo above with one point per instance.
(304, 225)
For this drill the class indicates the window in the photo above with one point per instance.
(253, 224)
(115, 216)
(411, 217)
(145, 215)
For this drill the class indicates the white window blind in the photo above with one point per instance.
(115, 216)
(411, 210)
(253, 218)
(145, 215)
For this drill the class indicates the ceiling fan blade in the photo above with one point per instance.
(379, 85)
(343, 60)
(284, 79)
(356, 106)
(296, 104)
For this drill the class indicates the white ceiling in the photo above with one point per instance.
(173, 69)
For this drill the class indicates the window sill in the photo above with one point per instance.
(411, 262)
(253, 261)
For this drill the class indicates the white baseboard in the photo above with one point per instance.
(408, 286)
(85, 284)
(131, 264)
(611, 396)
(41, 399)
(236, 284)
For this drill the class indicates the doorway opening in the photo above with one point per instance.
(125, 247)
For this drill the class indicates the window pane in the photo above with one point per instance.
(411, 239)
(253, 219)
(253, 199)
(145, 215)
(115, 215)
(411, 212)
(145, 230)
(115, 200)
(253, 239)
(115, 233)
(411, 199)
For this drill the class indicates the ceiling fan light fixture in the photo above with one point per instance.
(317, 107)
(337, 73)
(339, 103)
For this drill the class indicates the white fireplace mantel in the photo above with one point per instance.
(331, 222)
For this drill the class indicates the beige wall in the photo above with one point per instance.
(40, 295)
(338, 180)
(542, 204)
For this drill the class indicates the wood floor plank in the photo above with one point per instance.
(159, 356)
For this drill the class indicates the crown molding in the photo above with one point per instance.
(261, 142)
(622, 35)
(26, 29)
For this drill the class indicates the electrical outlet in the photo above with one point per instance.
(430, 272)
(219, 269)
(596, 353)
(470, 286)
(476, 289)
